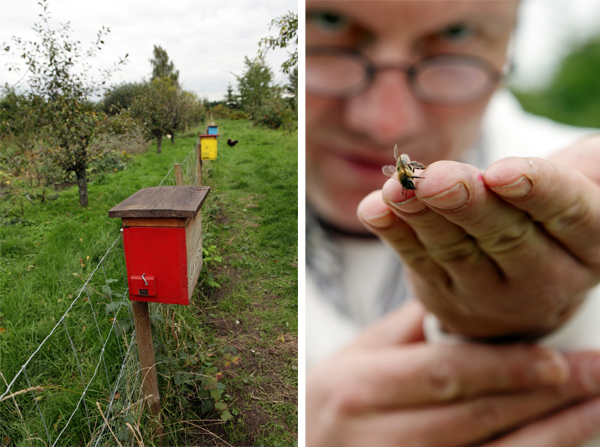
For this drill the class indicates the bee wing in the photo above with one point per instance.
(390, 171)
(396, 152)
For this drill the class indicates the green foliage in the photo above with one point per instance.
(275, 113)
(163, 108)
(17, 117)
(162, 67)
(254, 85)
(288, 35)
(120, 97)
(572, 97)
(197, 376)
(154, 108)
(238, 115)
(231, 100)
(220, 111)
(292, 89)
(191, 112)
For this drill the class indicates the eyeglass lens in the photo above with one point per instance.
(443, 79)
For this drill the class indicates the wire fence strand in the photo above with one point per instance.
(32, 404)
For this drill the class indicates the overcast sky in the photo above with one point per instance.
(207, 40)
(547, 31)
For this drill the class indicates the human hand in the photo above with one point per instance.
(388, 388)
(509, 252)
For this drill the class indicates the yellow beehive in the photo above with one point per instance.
(208, 147)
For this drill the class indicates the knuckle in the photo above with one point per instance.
(346, 401)
(464, 249)
(577, 214)
(515, 238)
(443, 380)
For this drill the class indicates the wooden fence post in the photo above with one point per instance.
(143, 334)
(199, 163)
(178, 174)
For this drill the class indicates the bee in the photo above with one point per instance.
(404, 171)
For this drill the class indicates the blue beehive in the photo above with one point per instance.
(212, 130)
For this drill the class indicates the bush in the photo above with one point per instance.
(274, 114)
(220, 111)
(238, 115)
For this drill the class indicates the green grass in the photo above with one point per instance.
(250, 231)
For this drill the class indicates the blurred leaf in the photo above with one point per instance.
(226, 415)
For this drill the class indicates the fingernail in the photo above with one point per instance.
(590, 376)
(412, 205)
(453, 198)
(382, 220)
(552, 369)
(515, 190)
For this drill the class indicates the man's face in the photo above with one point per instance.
(348, 141)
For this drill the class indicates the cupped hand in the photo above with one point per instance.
(511, 251)
(389, 388)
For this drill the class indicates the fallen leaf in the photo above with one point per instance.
(3, 329)
(281, 338)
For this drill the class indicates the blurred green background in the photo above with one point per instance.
(573, 96)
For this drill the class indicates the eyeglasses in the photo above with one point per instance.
(343, 73)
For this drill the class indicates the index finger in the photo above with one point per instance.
(419, 374)
(563, 200)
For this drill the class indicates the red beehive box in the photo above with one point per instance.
(162, 236)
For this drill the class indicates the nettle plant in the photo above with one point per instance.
(196, 377)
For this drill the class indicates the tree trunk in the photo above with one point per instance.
(82, 184)
(158, 144)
